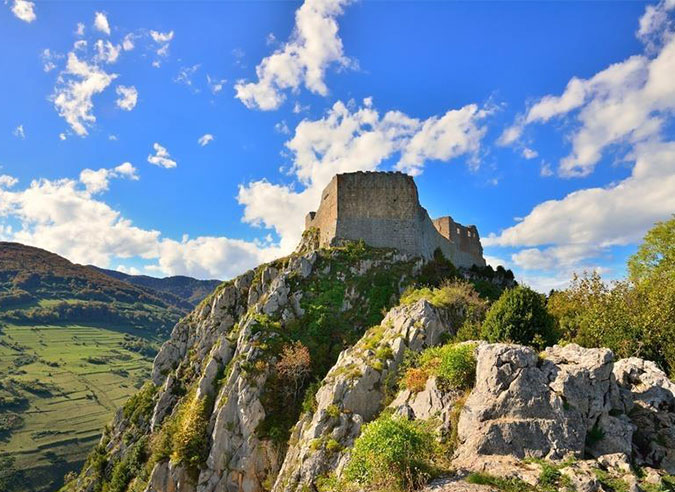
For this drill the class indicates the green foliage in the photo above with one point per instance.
(595, 435)
(457, 367)
(656, 255)
(614, 484)
(140, 404)
(190, 440)
(392, 453)
(127, 468)
(503, 484)
(635, 317)
(453, 364)
(519, 316)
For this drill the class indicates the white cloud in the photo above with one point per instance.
(68, 217)
(7, 181)
(299, 108)
(546, 171)
(282, 127)
(587, 222)
(128, 97)
(347, 140)
(529, 153)
(97, 181)
(76, 86)
(161, 158)
(48, 58)
(19, 132)
(455, 133)
(101, 23)
(625, 104)
(208, 257)
(79, 30)
(128, 42)
(303, 60)
(205, 139)
(215, 85)
(185, 75)
(106, 51)
(24, 10)
(161, 37)
(63, 216)
(164, 40)
(62, 136)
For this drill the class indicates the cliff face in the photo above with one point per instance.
(268, 384)
(218, 413)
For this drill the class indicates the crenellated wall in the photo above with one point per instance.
(383, 210)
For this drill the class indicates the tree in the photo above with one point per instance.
(656, 254)
(519, 316)
(294, 367)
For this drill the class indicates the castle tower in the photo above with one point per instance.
(383, 210)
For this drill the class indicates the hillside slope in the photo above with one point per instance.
(238, 373)
(188, 289)
(75, 343)
(39, 286)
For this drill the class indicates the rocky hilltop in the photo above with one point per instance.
(233, 405)
(354, 368)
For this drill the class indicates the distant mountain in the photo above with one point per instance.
(186, 288)
(42, 287)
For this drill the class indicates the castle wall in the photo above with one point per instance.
(383, 210)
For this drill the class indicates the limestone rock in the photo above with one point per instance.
(527, 406)
(353, 392)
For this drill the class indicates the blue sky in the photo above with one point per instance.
(192, 137)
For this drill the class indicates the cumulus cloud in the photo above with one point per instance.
(24, 10)
(215, 85)
(101, 23)
(106, 51)
(128, 97)
(161, 158)
(64, 217)
(529, 153)
(97, 181)
(7, 181)
(185, 75)
(163, 39)
(68, 217)
(347, 140)
(586, 223)
(128, 42)
(19, 132)
(75, 89)
(625, 104)
(205, 139)
(313, 46)
(79, 30)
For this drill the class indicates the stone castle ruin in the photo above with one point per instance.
(383, 209)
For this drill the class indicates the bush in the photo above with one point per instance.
(519, 316)
(391, 453)
(454, 365)
(457, 368)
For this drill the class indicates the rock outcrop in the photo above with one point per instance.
(219, 417)
(355, 390)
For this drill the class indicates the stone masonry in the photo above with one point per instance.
(383, 209)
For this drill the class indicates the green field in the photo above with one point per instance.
(60, 385)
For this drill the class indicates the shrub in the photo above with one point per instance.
(391, 453)
(457, 367)
(454, 365)
(294, 368)
(189, 443)
(519, 316)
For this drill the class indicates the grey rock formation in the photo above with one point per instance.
(354, 391)
(524, 405)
